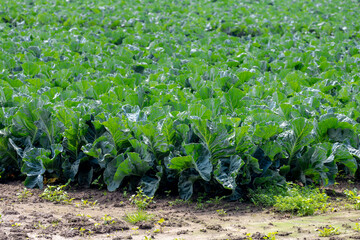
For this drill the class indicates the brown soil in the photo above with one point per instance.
(27, 216)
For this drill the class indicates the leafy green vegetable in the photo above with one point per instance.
(219, 97)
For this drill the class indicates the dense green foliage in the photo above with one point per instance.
(168, 94)
(292, 198)
(302, 201)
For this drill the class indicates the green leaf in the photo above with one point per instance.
(201, 156)
(8, 156)
(199, 111)
(33, 167)
(242, 139)
(312, 165)
(53, 163)
(186, 182)
(74, 137)
(227, 171)
(340, 154)
(181, 163)
(150, 183)
(215, 137)
(109, 173)
(153, 138)
(297, 138)
(233, 98)
(70, 169)
(24, 121)
(264, 132)
(119, 133)
(296, 81)
(30, 68)
(132, 165)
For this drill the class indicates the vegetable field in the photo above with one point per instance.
(210, 96)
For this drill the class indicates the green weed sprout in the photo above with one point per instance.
(141, 200)
(138, 216)
(353, 197)
(57, 194)
(328, 231)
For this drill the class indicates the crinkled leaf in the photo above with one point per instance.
(70, 169)
(227, 171)
(186, 182)
(182, 163)
(201, 156)
(7, 153)
(233, 98)
(215, 137)
(297, 138)
(142, 149)
(30, 68)
(110, 171)
(53, 163)
(264, 132)
(33, 166)
(132, 165)
(340, 153)
(198, 111)
(263, 160)
(153, 138)
(312, 165)
(150, 183)
(119, 133)
(271, 149)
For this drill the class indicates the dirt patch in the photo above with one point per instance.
(96, 214)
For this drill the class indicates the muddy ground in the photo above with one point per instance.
(24, 215)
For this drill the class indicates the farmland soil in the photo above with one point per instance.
(97, 214)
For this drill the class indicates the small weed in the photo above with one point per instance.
(97, 182)
(159, 226)
(271, 236)
(248, 236)
(108, 220)
(24, 194)
(140, 199)
(221, 212)
(16, 225)
(176, 202)
(199, 204)
(55, 223)
(136, 230)
(83, 231)
(353, 197)
(83, 215)
(217, 200)
(57, 194)
(357, 227)
(86, 203)
(328, 231)
(138, 216)
(148, 238)
(40, 225)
